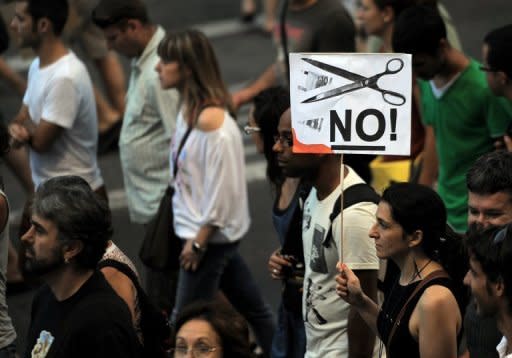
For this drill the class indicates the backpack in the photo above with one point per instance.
(153, 323)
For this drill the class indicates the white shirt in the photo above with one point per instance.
(148, 124)
(502, 348)
(325, 313)
(210, 186)
(61, 93)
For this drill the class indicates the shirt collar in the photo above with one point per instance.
(150, 48)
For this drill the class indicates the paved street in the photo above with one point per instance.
(243, 52)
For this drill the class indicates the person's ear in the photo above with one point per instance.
(43, 25)
(388, 14)
(444, 45)
(502, 78)
(71, 249)
(499, 287)
(132, 24)
(415, 238)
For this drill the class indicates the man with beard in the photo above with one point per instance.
(461, 115)
(76, 313)
(490, 280)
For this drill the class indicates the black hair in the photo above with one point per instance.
(418, 207)
(78, 213)
(500, 49)
(117, 12)
(419, 30)
(397, 5)
(229, 325)
(492, 248)
(54, 10)
(491, 173)
(269, 105)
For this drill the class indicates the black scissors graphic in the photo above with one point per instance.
(393, 66)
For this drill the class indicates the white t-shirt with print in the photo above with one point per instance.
(62, 94)
(325, 313)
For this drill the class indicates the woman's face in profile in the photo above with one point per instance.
(197, 338)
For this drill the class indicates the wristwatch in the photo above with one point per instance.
(197, 248)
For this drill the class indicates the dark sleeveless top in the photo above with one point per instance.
(402, 343)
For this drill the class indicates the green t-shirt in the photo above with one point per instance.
(466, 120)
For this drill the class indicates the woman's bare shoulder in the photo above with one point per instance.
(210, 119)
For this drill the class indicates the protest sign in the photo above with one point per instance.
(351, 103)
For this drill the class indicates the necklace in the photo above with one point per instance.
(418, 272)
(390, 311)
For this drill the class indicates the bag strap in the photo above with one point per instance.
(184, 139)
(122, 267)
(430, 277)
(354, 194)
(182, 143)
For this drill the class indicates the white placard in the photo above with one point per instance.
(351, 103)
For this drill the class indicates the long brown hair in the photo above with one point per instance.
(204, 84)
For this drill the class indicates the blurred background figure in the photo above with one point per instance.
(81, 33)
(248, 12)
(290, 337)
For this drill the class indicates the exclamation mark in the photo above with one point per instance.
(393, 124)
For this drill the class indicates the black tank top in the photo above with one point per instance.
(403, 344)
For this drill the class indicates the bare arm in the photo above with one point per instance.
(13, 78)
(43, 135)
(361, 339)
(266, 80)
(22, 116)
(123, 286)
(349, 288)
(438, 322)
(40, 136)
(189, 259)
(430, 164)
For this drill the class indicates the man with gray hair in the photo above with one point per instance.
(76, 313)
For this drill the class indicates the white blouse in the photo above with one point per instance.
(210, 186)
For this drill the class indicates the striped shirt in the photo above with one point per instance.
(148, 124)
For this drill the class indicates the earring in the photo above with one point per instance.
(66, 260)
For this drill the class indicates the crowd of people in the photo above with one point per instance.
(418, 271)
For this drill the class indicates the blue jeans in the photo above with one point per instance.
(223, 268)
(290, 337)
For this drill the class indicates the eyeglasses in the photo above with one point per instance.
(197, 352)
(285, 140)
(250, 129)
(487, 69)
(500, 236)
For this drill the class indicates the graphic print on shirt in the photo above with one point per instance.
(43, 344)
(313, 300)
(317, 262)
